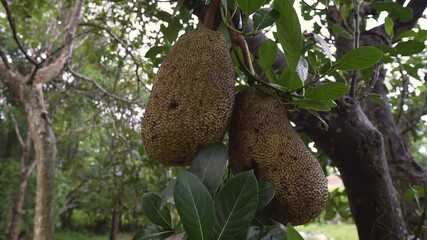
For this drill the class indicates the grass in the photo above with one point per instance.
(335, 231)
(70, 235)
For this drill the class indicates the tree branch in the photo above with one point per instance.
(15, 123)
(12, 25)
(123, 44)
(52, 70)
(97, 85)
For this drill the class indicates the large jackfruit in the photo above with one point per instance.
(192, 98)
(261, 138)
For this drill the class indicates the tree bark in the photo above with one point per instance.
(355, 146)
(20, 198)
(45, 148)
(115, 223)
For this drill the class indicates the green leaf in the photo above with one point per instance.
(389, 23)
(359, 58)
(289, 32)
(156, 209)
(292, 234)
(209, 165)
(312, 60)
(267, 53)
(410, 47)
(338, 30)
(195, 206)
(152, 232)
(152, 52)
(324, 124)
(387, 49)
(290, 80)
(412, 71)
(250, 6)
(417, 191)
(395, 10)
(327, 91)
(266, 191)
(264, 18)
(236, 205)
(377, 98)
(306, 103)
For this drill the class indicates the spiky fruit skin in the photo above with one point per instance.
(262, 138)
(192, 98)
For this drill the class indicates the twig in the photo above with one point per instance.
(241, 42)
(12, 25)
(15, 123)
(312, 8)
(124, 45)
(3, 57)
(374, 79)
(31, 168)
(210, 15)
(403, 92)
(97, 85)
(352, 92)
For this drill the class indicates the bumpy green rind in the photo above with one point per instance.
(192, 98)
(262, 138)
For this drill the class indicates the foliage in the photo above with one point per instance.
(228, 213)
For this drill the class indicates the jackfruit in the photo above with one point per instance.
(192, 98)
(262, 138)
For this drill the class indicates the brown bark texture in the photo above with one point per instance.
(363, 141)
(115, 223)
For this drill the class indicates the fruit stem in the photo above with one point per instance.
(210, 15)
(240, 41)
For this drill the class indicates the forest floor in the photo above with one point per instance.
(312, 231)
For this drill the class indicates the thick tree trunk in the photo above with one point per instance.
(356, 148)
(19, 202)
(45, 149)
(115, 223)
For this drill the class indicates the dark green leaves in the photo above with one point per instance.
(359, 58)
(195, 206)
(152, 232)
(156, 210)
(318, 105)
(250, 6)
(266, 191)
(236, 205)
(327, 91)
(209, 165)
(264, 17)
(410, 47)
(395, 10)
(292, 234)
(289, 32)
(267, 53)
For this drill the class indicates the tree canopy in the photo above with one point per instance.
(75, 78)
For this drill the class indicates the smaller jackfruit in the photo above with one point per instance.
(262, 138)
(192, 98)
